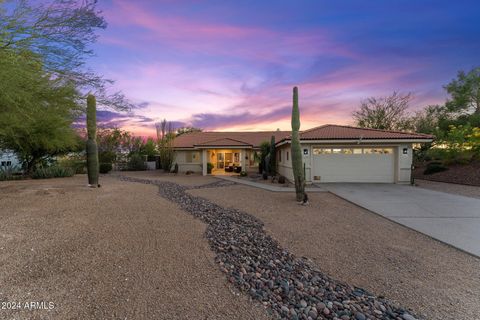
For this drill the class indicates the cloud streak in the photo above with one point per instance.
(229, 65)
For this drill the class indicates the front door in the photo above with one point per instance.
(220, 160)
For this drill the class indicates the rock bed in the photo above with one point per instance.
(289, 287)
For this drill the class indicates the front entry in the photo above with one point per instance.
(225, 161)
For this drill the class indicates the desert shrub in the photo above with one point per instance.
(52, 172)
(105, 167)
(281, 179)
(209, 167)
(136, 163)
(434, 167)
(107, 156)
(10, 173)
(243, 173)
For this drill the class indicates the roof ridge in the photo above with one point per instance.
(381, 130)
(244, 142)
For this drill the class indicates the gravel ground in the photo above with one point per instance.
(363, 249)
(463, 190)
(290, 287)
(468, 174)
(118, 252)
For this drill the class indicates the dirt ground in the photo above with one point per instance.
(118, 252)
(461, 189)
(364, 249)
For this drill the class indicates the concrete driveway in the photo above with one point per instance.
(452, 219)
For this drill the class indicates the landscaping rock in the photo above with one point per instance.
(291, 287)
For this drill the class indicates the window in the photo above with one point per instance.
(378, 150)
(317, 151)
(336, 150)
(357, 150)
(192, 156)
(287, 155)
(279, 155)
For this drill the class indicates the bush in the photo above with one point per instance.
(434, 167)
(281, 179)
(78, 166)
(10, 173)
(136, 163)
(209, 167)
(53, 172)
(243, 174)
(175, 168)
(265, 176)
(105, 167)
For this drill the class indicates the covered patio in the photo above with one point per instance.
(228, 156)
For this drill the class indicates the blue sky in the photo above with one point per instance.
(223, 65)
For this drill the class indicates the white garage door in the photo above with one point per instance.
(353, 164)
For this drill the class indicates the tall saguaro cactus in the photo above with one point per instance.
(273, 159)
(297, 162)
(92, 150)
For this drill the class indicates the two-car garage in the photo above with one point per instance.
(335, 153)
(353, 164)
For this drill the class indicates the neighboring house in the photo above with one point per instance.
(8, 159)
(331, 153)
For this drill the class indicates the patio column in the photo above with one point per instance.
(243, 163)
(204, 162)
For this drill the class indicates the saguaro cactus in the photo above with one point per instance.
(297, 163)
(92, 150)
(273, 159)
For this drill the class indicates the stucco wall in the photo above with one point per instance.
(402, 162)
(184, 166)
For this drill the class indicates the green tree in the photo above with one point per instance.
(59, 34)
(36, 111)
(465, 92)
(386, 113)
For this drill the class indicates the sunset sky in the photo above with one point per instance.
(231, 65)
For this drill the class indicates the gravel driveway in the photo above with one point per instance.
(118, 252)
(363, 249)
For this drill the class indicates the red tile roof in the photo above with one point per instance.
(337, 132)
(223, 142)
(325, 132)
(253, 139)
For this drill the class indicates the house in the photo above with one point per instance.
(331, 153)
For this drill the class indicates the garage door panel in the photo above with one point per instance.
(354, 167)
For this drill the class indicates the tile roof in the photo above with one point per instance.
(325, 132)
(337, 132)
(223, 142)
(254, 139)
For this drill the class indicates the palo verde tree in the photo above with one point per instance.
(59, 33)
(297, 161)
(92, 150)
(36, 111)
